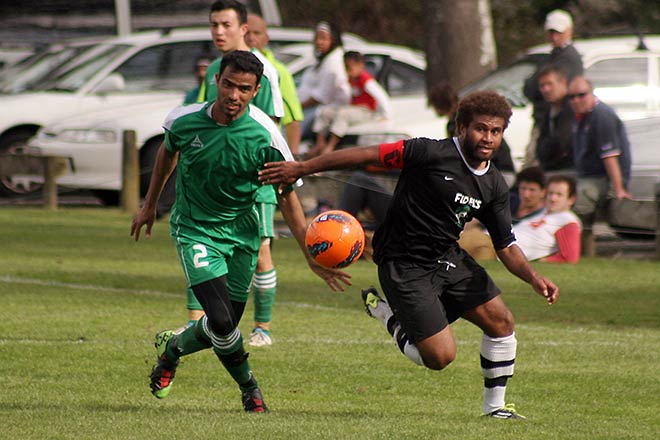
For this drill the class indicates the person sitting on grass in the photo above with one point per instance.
(552, 235)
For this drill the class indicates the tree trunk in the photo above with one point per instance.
(459, 41)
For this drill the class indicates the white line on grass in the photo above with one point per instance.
(609, 333)
(92, 287)
(147, 292)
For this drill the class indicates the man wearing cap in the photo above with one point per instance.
(559, 31)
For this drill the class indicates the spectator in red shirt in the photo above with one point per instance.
(369, 101)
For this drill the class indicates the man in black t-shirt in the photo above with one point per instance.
(428, 280)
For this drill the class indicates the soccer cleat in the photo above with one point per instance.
(162, 373)
(506, 412)
(259, 338)
(253, 401)
(374, 304)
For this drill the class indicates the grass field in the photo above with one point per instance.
(80, 303)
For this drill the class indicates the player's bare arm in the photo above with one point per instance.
(163, 167)
(295, 219)
(517, 264)
(288, 172)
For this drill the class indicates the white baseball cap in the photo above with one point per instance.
(558, 20)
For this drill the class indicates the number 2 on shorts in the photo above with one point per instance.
(201, 253)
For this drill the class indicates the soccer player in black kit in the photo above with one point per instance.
(428, 280)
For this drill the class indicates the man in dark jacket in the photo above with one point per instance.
(559, 30)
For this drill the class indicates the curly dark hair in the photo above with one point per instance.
(484, 102)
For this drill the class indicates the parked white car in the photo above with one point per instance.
(117, 72)
(93, 139)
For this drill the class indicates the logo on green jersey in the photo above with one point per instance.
(197, 143)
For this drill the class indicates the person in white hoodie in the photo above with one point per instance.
(325, 83)
(369, 101)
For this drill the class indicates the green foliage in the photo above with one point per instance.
(81, 302)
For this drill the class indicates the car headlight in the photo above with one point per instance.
(380, 138)
(81, 136)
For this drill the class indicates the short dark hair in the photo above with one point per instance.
(354, 56)
(242, 61)
(443, 98)
(568, 180)
(553, 68)
(532, 175)
(221, 5)
(484, 102)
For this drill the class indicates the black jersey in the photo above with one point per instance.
(435, 196)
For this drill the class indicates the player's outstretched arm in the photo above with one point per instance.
(288, 172)
(515, 261)
(163, 167)
(295, 218)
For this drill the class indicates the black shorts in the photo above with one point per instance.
(427, 298)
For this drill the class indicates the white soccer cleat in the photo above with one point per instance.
(375, 305)
(259, 338)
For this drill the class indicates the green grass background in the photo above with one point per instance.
(80, 303)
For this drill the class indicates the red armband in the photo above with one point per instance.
(391, 155)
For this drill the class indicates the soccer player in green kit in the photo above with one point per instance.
(218, 148)
(228, 23)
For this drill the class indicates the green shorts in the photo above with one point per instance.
(210, 250)
(266, 219)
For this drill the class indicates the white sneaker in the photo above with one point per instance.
(375, 305)
(259, 338)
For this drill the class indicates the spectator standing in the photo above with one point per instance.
(369, 101)
(264, 282)
(554, 147)
(559, 31)
(201, 64)
(326, 82)
(257, 37)
(602, 156)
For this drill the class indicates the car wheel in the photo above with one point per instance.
(16, 143)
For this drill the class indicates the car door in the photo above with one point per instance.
(167, 67)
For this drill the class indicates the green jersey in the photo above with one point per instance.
(292, 108)
(217, 169)
(269, 97)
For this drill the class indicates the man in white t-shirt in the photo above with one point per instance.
(552, 235)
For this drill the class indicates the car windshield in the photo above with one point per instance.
(29, 74)
(83, 68)
(508, 81)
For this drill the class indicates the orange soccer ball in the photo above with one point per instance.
(335, 239)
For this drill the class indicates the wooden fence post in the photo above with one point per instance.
(130, 188)
(50, 164)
